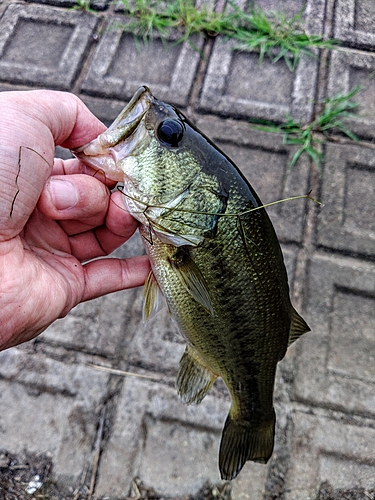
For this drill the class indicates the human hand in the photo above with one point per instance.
(54, 217)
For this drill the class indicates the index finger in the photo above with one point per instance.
(75, 166)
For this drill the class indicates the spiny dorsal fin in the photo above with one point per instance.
(297, 328)
(153, 298)
(192, 279)
(193, 379)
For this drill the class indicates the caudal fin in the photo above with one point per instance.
(241, 442)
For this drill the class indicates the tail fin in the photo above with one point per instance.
(241, 442)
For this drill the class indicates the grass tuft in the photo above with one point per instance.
(335, 111)
(274, 35)
(269, 33)
(149, 16)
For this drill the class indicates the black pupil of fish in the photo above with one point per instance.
(170, 132)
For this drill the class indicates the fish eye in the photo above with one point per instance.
(170, 132)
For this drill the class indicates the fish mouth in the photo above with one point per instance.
(121, 138)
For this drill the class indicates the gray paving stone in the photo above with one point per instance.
(50, 407)
(168, 445)
(289, 7)
(336, 362)
(37, 370)
(157, 344)
(120, 65)
(354, 23)
(3, 6)
(52, 58)
(93, 4)
(100, 326)
(290, 256)
(346, 221)
(237, 85)
(105, 109)
(327, 449)
(348, 69)
(264, 160)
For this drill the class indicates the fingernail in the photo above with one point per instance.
(64, 194)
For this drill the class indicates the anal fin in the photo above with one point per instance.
(193, 379)
(297, 328)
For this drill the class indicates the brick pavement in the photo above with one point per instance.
(55, 403)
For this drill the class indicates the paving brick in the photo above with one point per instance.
(346, 220)
(354, 23)
(264, 160)
(335, 363)
(93, 4)
(327, 449)
(3, 6)
(35, 369)
(56, 61)
(168, 445)
(289, 7)
(348, 69)
(99, 326)
(155, 345)
(290, 256)
(237, 85)
(120, 65)
(105, 109)
(50, 407)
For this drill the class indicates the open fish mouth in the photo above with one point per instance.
(120, 139)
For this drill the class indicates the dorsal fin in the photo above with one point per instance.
(297, 328)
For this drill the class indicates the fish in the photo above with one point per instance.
(215, 260)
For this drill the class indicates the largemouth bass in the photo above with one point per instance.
(216, 261)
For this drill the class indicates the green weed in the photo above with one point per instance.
(274, 35)
(84, 5)
(309, 136)
(270, 33)
(149, 16)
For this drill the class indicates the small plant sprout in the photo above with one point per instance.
(84, 5)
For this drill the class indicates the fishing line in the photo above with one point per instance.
(217, 214)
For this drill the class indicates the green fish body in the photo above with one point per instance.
(216, 261)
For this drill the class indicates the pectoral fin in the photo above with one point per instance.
(192, 279)
(194, 379)
(153, 298)
(298, 327)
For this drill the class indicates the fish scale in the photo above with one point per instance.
(215, 260)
